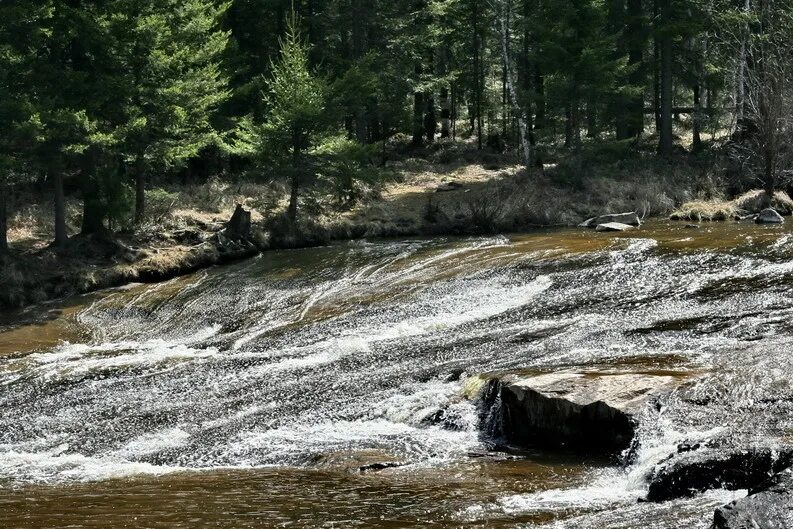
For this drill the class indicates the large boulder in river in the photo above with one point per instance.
(588, 412)
(692, 471)
(770, 506)
(614, 226)
(769, 216)
(630, 218)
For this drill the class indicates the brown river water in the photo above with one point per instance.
(251, 395)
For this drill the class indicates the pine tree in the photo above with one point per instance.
(171, 83)
(14, 105)
(60, 87)
(297, 107)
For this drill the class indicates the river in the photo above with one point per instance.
(251, 395)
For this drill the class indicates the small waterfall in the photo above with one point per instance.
(490, 412)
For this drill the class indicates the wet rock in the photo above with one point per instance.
(586, 412)
(630, 218)
(770, 506)
(769, 216)
(703, 468)
(692, 226)
(380, 466)
(614, 226)
(448, 186)
(446, 418)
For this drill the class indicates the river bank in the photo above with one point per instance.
(424, 198)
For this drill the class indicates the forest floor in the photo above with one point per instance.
(439, 193)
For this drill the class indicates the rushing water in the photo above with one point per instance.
(249, 395)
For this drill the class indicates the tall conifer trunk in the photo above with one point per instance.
(140, 190)
(665, 141)
(636, 38)
(61, 237)
(697, 121)
(3, 216)
(295, 180)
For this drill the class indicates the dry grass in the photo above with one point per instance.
(721, 209)
(710, 210)
(31, 225)
(755, 200)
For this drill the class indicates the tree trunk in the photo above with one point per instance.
(744, 127)
(696, 145)
(504, 100)
(656, 76)
(445, 103)
(93, 214)
(478, 73)
(665, 143)
(295, 184)
(454, 112)
(360, 15)
(140, 190)
(618, 25)
(539, 97)
(61, 237)
(636, 39)
(591, 118)
(445, 113)
(418, 114)
(575, 123)
(509, 84)
(3, 216)
(430, 120)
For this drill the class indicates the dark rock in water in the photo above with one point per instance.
(693, 226)
(455, 374)
(239, 226)
(700, 469)
(630, 218)
(380, 466)
(447, 418)
(769, 216)
(614, 226)
(770, 506)
(590, 413)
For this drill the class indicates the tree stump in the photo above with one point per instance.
(239, 226)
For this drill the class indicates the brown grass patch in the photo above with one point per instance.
(707, 210)
(750, 202)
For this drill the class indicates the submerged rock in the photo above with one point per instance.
(630, 218)
(769, 216)
(614, 226)
(770, 506)
(703, 468)
(587, 412)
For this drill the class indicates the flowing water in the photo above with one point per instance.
(250, 396)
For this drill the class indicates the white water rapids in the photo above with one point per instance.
(282, 361)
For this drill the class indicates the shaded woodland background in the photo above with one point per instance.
(113, 103)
